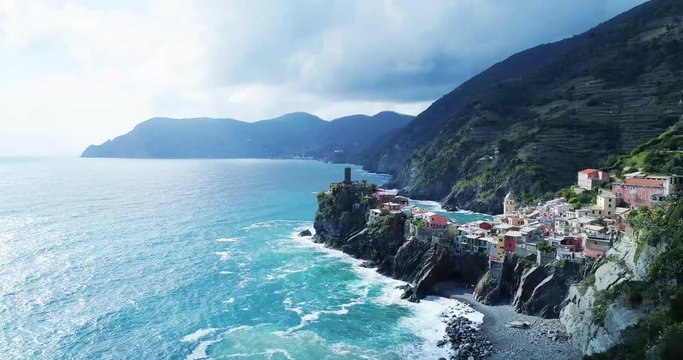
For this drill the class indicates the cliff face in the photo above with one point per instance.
(341, 223)
(599, 313)
(531, 289)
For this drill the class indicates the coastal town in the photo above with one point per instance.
(559, 229)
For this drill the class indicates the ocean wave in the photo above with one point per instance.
(223, 255)
(229, 240)
(427, 315)
(314, 316)
(200, 351)
(284, 271)
(267, 224)
(342, 309)
(198, 334)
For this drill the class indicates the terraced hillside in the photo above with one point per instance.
(662, 155)
(617, 88)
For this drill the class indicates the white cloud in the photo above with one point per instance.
(80, 72)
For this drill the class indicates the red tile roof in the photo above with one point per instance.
(644, 182)
(588, 171)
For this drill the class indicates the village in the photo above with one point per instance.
(559, 229)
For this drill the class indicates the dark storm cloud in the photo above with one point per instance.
(385, 50)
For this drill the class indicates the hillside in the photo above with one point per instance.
(530, 122)
(296, 134)
(663, 154)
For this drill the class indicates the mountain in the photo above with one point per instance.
(531, 121)
(295, 134)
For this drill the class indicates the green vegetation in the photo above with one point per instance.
(545, 247)
(663, 154)
(600, 306)
(587, 282)
(419, 223)
(341, 197)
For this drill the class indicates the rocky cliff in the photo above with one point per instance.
(531, 289)
(341, 223)
(601, 309)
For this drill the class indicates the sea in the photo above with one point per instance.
(192, 259)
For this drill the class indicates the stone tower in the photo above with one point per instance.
(509, 204)
(347, 175)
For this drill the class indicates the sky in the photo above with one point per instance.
(74, 73)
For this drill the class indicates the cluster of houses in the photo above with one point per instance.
(556, 229)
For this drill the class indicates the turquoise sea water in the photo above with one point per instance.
(189, 259)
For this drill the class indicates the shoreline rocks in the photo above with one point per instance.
(305, 233)
(466, 339)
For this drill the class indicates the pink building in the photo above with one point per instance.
(639, 192)
(590, 178)
(437, 221)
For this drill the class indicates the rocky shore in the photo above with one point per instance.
(466, 339)
(505, 334)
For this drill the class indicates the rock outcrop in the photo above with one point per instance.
(341, 223)
(532, 290)
(595, 322)
(500, 285)
(542, 289)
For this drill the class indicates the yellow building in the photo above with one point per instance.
(606, 205)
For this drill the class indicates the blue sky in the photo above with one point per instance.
(80, 72)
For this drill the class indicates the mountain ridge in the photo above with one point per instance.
(295, 134)
(584, 101)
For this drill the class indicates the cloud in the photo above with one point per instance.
(80, 72)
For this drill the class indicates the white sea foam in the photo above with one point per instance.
(229, 240)
(271, 352)
(427, 315)
(267, 224)
(198, 334)
(239, 328)
(229, 301)
(223, 255)
(200, 351)
(283, 272)
(314, 316)
(226, 272)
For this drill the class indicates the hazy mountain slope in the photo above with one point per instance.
(618, 87)
(295, 134)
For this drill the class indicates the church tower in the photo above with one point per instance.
(509, 204)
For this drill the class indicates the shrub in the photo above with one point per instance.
(587, 282)
(600, 306)
(420, 223)
(672, 346)
(545, 247)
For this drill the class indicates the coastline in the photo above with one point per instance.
(535, 342)
(427, 321)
